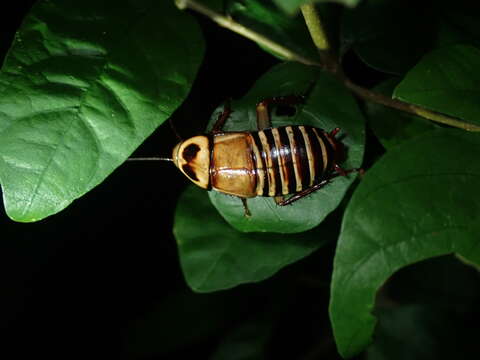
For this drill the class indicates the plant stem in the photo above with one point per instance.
(319, 37)
(229, 23)
(317, 32)
(329, 63)
(378, 98)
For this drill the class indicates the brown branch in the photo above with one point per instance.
(229, 23)
(378, 98)
(329, 62)
(319, 37)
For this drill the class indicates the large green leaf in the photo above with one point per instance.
(393, 127)
(266, 19)
(82, 86)
(446, 80)
(387, 35)
(420, 200)
(328, 106)
(214, 256)
(290, 6)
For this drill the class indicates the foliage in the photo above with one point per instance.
(84, 84)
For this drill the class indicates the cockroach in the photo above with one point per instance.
(273, 161)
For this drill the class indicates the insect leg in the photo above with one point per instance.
(342, 172)
(263, 117)
(247, 212)
(304, 193)
(279, 199)
(222, 117)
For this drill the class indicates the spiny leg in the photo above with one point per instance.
(247, 212)
(308, 191)
(304, 193)
(263, 117)
(334, 132)
(342, 172)
(222, 117)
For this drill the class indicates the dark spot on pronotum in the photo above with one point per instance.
(189, 171)
(190, 152)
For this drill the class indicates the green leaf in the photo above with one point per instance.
(419, 201)
(82, 86)
(214, 256)
(393, 127)
(291, 6)
(328, 106)
(387, 35)
(446, 80)
(265, 18)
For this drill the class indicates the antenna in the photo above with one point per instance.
(179, 138)
(149, 159)
(159, 158)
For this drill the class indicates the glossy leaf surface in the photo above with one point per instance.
(446, 80)
(82, 86)
(387, 35)
(327, 106)
(420, 200)
(215, 256)
(268, 20)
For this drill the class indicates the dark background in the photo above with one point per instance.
(75, 284)
(102, 278)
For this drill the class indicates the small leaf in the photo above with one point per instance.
(387, 35)
(291, 6)
(419, 201)
(214, 256)
(446, 80)
(328, 106)
(393, 127)
(82, 86)
(266, 19)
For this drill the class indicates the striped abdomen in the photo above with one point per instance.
(289, 159)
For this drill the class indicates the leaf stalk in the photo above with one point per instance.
(328, 61)
(228, 23)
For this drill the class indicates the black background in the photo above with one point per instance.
(75, 283)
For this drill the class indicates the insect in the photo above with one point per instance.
(273, 161)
